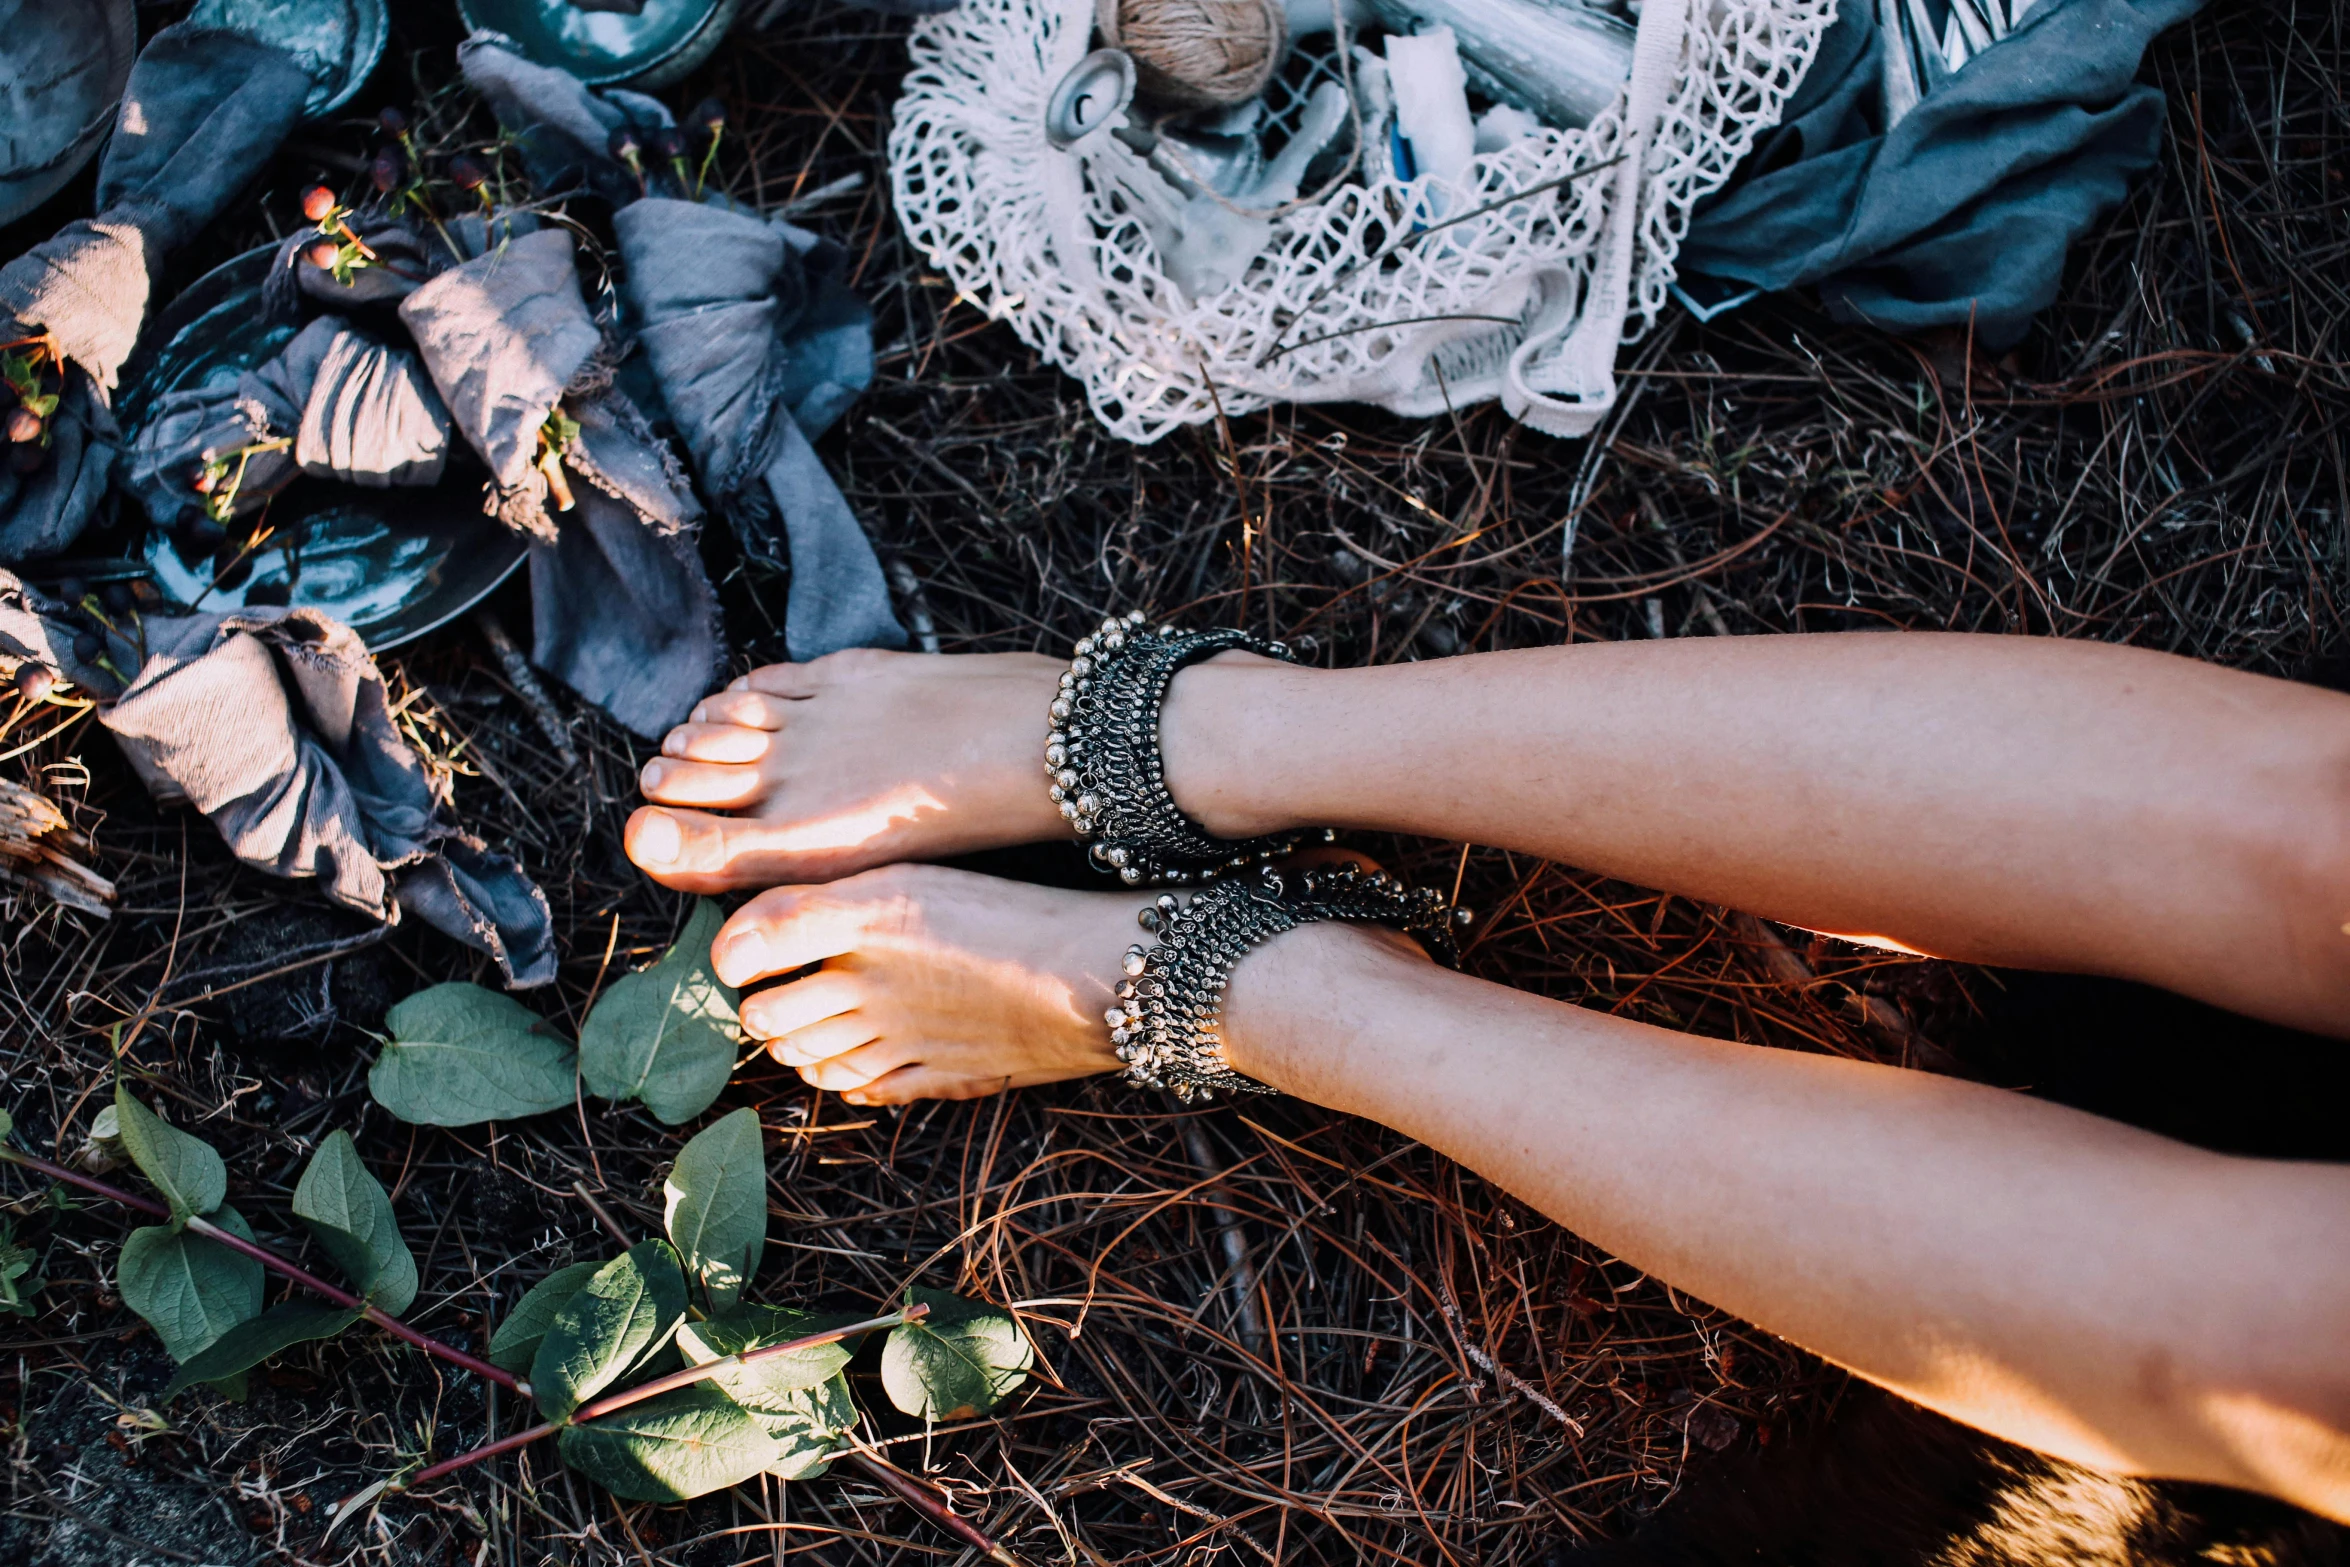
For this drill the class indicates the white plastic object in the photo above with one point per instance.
(1561, 252)
(1432, 103)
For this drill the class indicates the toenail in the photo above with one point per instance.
(742, 955)
(654, 772)
(659, 840)
(673, 744)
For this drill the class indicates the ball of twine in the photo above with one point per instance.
(1197, 54)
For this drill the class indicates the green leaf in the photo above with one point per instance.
(190, 1289)
(18, 1283)
(627, 1309)
(809, 1433)
(185, 1169)
(516, 1343)
(765, 1385)
(802, 1399)
(7, 1125)
(960, 1360)
(461, 1055)
(666, 1035)
(248, 1344)
(717, 1206)
(347, 1210)
(682, 1444)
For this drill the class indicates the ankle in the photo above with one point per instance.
(1227, 731)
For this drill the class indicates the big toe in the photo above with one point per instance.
(695, 851)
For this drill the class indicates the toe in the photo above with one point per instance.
(746, 709)
(669, 781)
(695, 851)
(787, 928)
(909, 1083)
(787, 1009)
(822, 1044)
(793, 682)
(855, 1067)
(717, 742)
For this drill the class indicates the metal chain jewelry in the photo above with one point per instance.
(1108, 774)
(1167, 1023)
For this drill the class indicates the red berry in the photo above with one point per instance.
(385, 171)
(34, 680)
(206, 481)
(324, 255)
(467, 174)
(710, 115)
(318, 204)
(24, 425)
(392, 120)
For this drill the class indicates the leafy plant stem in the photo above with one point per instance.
(271, 1260)
(921, 1498)
(653, 1389)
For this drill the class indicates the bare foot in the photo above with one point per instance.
(805, 772)
(857, 759)
(935, 984)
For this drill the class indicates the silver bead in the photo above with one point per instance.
(1080, 666)
(1115, 1017)
(1066, 778)
(1134, 617)
(1168, 904)
(1090, 804)
(1061, 794)
(1134, 959)
(1120, 856)
(1057, 737)
(1068, 811)
(1114, 640)
(1148, 919)
(1059, 709)
(1084, 646)
(1131, 875)
(1463, 917)
(1055, 755)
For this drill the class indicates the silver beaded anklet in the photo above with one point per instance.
(1108, 774)
(1167, 1023)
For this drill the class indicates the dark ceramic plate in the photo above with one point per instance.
(62, 70)
(337, 41)
(648, 50)
(390, 564)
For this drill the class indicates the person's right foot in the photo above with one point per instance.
(858, 759)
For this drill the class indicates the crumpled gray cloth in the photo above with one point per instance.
(623, 610)
(505, 335)
(275, 724)
(752, 332)
(355, 410)
(203, 111)
(755, 347)
(1962, 212)
(561, 128)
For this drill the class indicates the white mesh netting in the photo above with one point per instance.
(1357, 298)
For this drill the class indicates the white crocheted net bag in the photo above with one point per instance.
(1529, 300)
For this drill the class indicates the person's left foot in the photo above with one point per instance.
(935, 983)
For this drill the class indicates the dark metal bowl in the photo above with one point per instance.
(62, 70)
(651, 49)
(390, 564)
(337, 41)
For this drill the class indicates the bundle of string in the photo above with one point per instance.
(1198, 54)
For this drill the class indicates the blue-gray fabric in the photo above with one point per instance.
(753, 334)
(623, 610)
(758, 343)
(203, 112)
(276, 725)
(1960, 214)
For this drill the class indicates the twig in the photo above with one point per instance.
(271, 1260)
(525, 682)
(653, 1389)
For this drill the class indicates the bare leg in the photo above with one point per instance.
(2011, 800)
(2099, 1293)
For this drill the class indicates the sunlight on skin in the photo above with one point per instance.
(906, 805)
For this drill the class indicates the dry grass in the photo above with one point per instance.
(1422, 1369)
